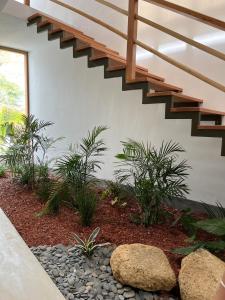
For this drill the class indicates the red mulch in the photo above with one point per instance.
(21, 205)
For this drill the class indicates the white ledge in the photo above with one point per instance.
(21, 275)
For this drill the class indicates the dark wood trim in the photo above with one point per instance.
(187, 12)
(26, 2)
(26, 73)
(27, 83)
(12, 50)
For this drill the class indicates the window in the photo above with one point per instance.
(13, 85)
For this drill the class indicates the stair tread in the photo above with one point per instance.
(65, 27)
(157, 85)
(71, 29)
(68, 38)
(55, 30)
(123, 66)
(211, 127)
(202, 110)
(43, 23)
(178, 95)
(119, 59)
(138, 71)
(84, 46)
(33, 17)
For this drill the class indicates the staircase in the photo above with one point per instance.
(155, 89)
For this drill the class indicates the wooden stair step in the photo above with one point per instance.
(34, 16)
(116, 66)
(55, 30)
(139, 72)
(96, 56)
(117, 63)
(83, 46)
(59, 24)
(99, 54)
(178, 97)
(78, 34)
(202, 110)
(67, 36)
(43, 23)
(211, 127)
(156, 84)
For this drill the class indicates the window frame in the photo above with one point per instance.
(26, 73)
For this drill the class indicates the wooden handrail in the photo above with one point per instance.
(183, 67)
(219, 24)
(146, 47)
(166, 30)
(83, 14)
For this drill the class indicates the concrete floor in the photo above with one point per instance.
(21, 275)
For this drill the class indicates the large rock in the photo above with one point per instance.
(144, 267)
(200, 275)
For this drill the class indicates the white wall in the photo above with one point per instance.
(76, 98)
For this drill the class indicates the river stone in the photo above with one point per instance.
(200, 275)
(144, 267)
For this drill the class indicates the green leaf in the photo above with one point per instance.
(121, 156)
(217, 212)
(215, 246)
(79, 240)
(94, 235)
(187, 250)
(214, 226)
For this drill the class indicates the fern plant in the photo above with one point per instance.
(77, 169)
(155, 174)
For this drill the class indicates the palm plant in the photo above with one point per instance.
(214, 212)
(155, 174)
(76, 170)
(23, 149)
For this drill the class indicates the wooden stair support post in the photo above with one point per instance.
(131, 40)
(27, 2)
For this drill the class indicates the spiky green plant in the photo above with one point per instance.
(76, 170)
(88, 245)
(155, 174)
